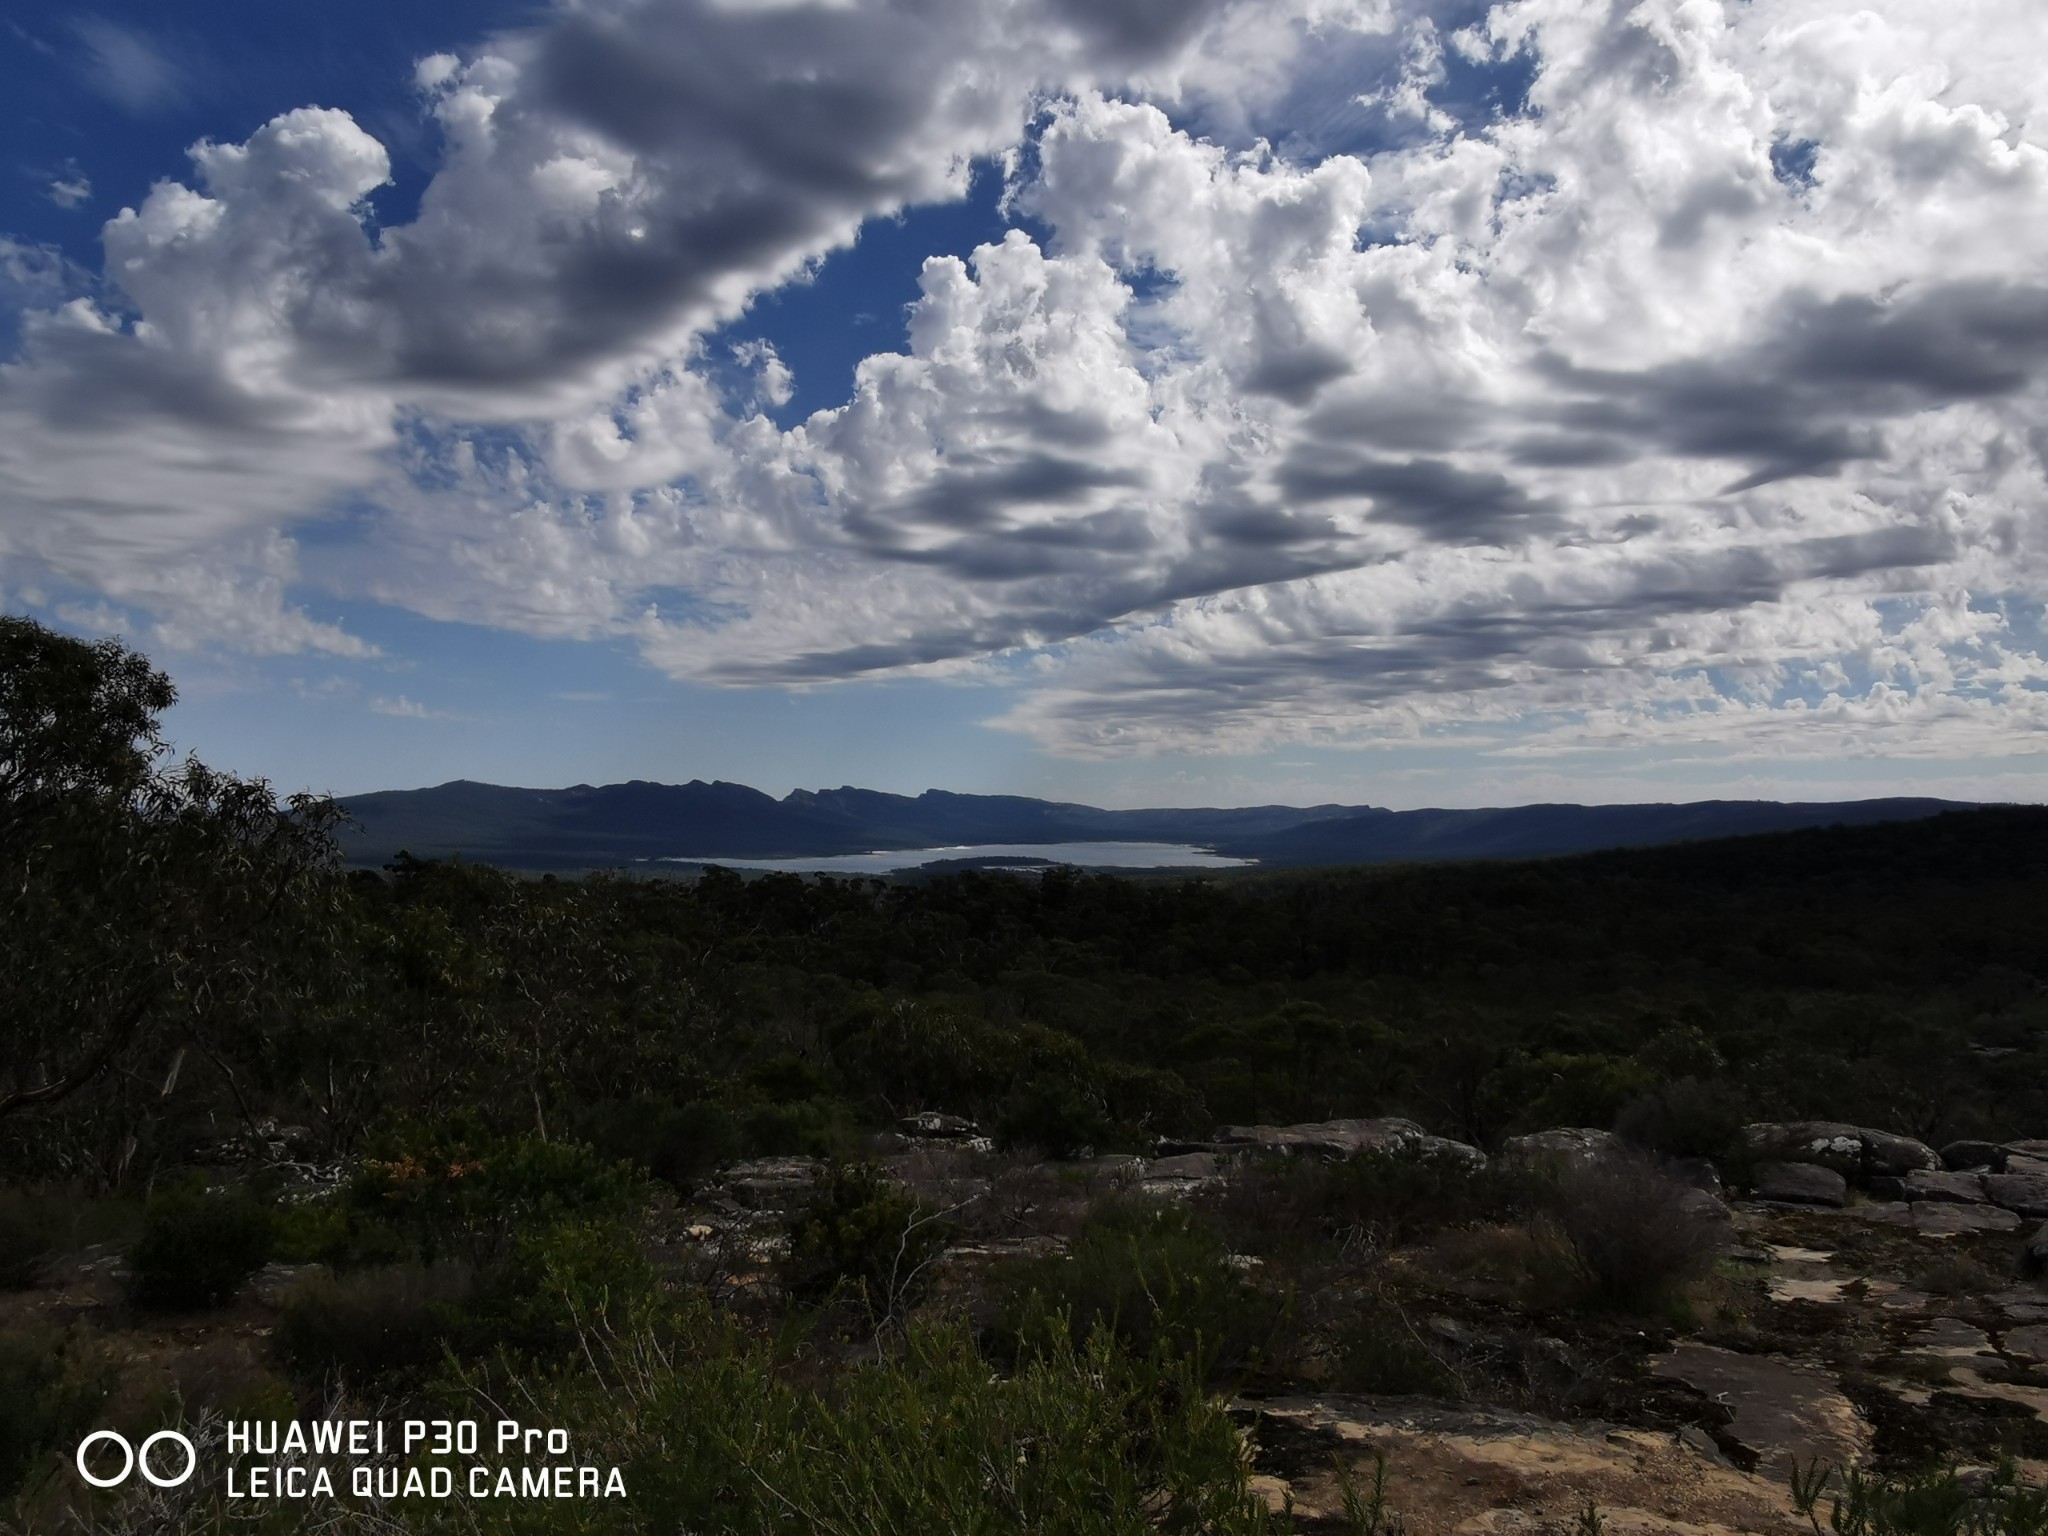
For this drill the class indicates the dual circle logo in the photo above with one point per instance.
(134, 1459)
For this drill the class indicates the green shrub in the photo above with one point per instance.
(676, 1143)
(387, 1324)
(49, 1394)
(29, 1234)
(1690, 1118)
(1159, 1278)
(859, 1235)
(198, 1246)
(1081, 1440)
(1053, 1116)
(1378, 1350)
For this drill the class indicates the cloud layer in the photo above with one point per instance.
(1554, 374)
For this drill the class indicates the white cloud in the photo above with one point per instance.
(1697, 404)
(71, 190)
(138, 73)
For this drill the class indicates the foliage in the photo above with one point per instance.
(391, 1323)
(198, 1245)
(1083, 1439)
(862, 1237)
(1157, 1277)
(1935, 1502)
(49, 1394)
(1635, 1233)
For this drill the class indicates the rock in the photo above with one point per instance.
(1188, 1165)
(270, 1285)
(1890, 1213)
(1453, 1332)
(1855, 1152)
(771, 1183)
(1884, 1187)
(1952, 1188)
(2015, 1163)
(1347, 1138)
(933, 1124)
(1781, 1408)
(1962, 1156)
(2034, 1257)
(1697, 1172)
(2029, 1343)
(2033, 1149)
(1801, 1184)
(1566, 1144)
(1941, 1218)
(2026, 1193)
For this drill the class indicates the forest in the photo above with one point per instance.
(283, 1140)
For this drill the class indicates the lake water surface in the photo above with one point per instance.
(1091, 855)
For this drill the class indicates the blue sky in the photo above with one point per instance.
(1383, 401)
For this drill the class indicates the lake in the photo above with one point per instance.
(1090, 855)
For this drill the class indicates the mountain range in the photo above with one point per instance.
(611, 825)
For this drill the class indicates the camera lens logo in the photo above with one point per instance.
(133, 1458)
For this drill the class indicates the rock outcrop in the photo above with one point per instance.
(1801, 1184)
(1347, 1138)
(1856, 1152)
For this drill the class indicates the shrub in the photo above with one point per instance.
(1689, 1118)
(1635, 1233)
(372, 1325)
(1157, 1277)
(1084, 1440)
(29, 1233)
(198, 1246)
(1288, 1207)
(1379, 1351)
(49, 1394)
(860, 1235)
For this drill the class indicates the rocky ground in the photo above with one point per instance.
(1874, 1305)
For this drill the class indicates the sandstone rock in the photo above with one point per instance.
(1855, 1152)
(2026, 1193)
(1566, 1144)
(2028, 1343)
(1801, 1184)
(1347, 1138)
(1937, 1218)
(1189, 1165)
(1963, 1155)
(2034, 1149)
(931, 1123)
(1953, 1188)
(771, 1183)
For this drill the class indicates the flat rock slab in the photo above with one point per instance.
(1957, 1188)
(1938, 1219)
(1389, 1136)
(1854, 1151)
(1801, 1184)
(2025, 1193)
(2026, 1342)
(1955, 1342)
(1782, 1408)
(1461, 1472)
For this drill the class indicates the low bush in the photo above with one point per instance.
(49, 1395)
(1085, 1440)
(198, 1245)
(1157, 1277)
(1379, 1350)
(859, 1237)
(372, 1325)
(1291, 1207)
(1691, 1117)
(29, 1234)
(1635, 1234)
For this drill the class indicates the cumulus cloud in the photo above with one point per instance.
(1550, 372)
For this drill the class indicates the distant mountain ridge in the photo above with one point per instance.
(589, 826)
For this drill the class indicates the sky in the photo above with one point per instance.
(1404, 402)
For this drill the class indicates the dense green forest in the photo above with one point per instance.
(506, 1080)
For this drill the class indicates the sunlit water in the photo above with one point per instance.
(1090, 855)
